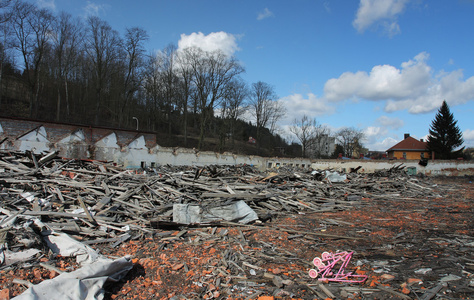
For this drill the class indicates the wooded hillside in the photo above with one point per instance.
(62, 69)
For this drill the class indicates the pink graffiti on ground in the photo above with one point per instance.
(332, 267)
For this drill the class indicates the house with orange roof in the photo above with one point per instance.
(409, 148)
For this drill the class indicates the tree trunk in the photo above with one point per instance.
(67, 98)
(185, 115)
(1, 83)
(97, 108)
(58, 104)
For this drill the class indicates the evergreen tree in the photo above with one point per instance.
(445, 135)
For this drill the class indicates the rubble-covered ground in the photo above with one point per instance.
(413, 237)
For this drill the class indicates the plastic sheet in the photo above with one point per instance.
(85, 283)
(194, 214)
(335, 177)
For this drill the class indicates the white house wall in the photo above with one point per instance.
(35, 141)
(107, 148)
(76, 136)
(138, 143)
(133, 158)
(73, 145)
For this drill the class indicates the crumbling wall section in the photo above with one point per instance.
(436, 167)
(134, 150)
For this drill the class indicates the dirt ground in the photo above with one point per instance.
(395, 240)
(408, 249)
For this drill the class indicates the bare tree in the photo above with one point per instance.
(278, 112)
(234, 105)
(31, 27)
(5, 10)
(134, 67)
(170, 81)
(6, 13)
(103, 47)
(263, 107)
(67, 40)
(305, 129)
(152, 88)
(185, 74)
(212, 71)
(350, 139)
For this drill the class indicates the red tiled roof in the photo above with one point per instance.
(409, 144)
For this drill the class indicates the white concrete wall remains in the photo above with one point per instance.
(35, 140)
(141, 150)
(436, 167)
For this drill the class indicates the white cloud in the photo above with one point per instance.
(93, 9)
(376, 136)
(326, 6)
(297, 105)
(468, 136)
(383, 82)
(448, 86)
(393, 123)
(413, 87)
(373, 132)
(265, 14)
(48, 4)
(383, 145)
(383, 12)
(223, 41)
(372, 139)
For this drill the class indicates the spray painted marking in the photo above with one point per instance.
(332, 267)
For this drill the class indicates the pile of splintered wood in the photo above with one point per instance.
(101, 203)
(80, 196)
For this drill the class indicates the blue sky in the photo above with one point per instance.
(382, 66)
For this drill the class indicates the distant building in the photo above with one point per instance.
(409, 148)
(323, 146)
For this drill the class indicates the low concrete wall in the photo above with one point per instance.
(436, 167)
(134, 150)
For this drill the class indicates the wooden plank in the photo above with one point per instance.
(86, 210)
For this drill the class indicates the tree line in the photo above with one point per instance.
(315, 139)
(66, 69)
(444, 140)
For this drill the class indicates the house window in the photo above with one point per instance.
(269, 165)
(404, 155)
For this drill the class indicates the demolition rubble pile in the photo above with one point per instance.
(98, 201)
(74, 208)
